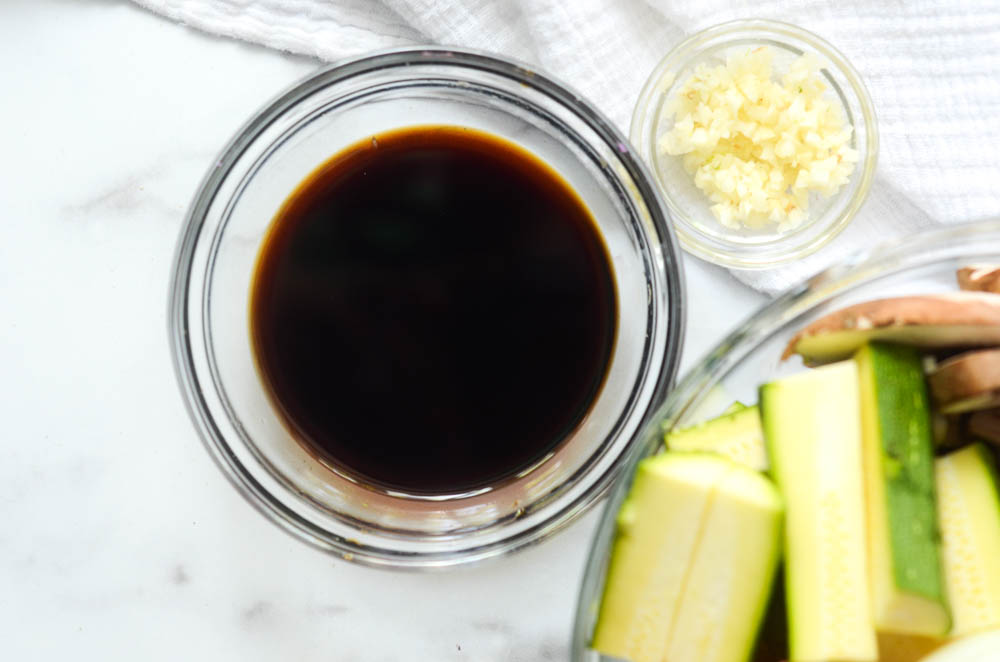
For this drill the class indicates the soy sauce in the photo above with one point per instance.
(433, 310)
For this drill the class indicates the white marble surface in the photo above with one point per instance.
(120, 538)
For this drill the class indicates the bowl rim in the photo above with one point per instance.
(857, 269)
(182, 267)
(679, 58)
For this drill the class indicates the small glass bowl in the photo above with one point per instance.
(276, 150)
(751, 356)
(700, 233)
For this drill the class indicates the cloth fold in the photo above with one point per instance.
(933, 70)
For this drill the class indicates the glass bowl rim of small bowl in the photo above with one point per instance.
(646, 119)
(858, 270)
(585, 486)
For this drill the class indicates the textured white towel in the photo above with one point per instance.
(933, 69)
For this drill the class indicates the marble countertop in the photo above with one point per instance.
(121, 539)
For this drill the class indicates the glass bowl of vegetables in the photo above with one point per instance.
(762, 138)
(822, 484)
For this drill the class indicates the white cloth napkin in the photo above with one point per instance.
(933, 69)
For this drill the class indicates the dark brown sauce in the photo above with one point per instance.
(433, 310)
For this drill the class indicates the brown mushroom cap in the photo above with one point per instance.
(980, 278)
(967, 382)
(958, 319)
(986, 425)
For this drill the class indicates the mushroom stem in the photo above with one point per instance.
(980, 278)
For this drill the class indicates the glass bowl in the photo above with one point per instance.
(751, 355)
(700, 233)
(215, 259)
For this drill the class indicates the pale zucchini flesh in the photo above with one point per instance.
(969, 515)
(732, 574)
(837, 345)
(983, 647)
(693, 563)
(736, 435)
(658, 529)
(812, 428)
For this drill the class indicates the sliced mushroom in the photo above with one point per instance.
(954, 320)
(985, 425)
(950, 432)
(980, 278)
(967, 382)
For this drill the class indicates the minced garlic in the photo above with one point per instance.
(756, 146)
